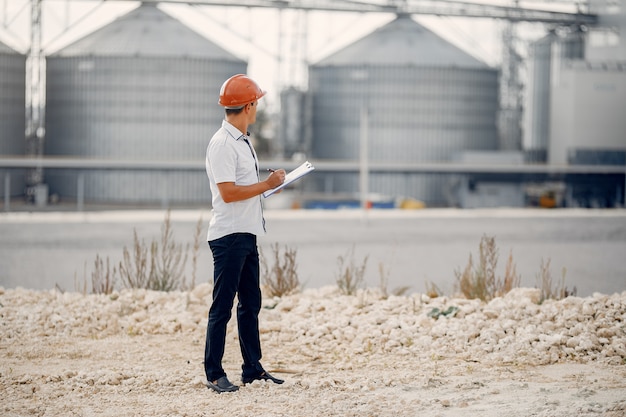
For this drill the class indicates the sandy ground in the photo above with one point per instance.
(139, 353)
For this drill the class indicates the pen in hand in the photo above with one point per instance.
(271, 170)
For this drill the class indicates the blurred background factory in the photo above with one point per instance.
(399, 117)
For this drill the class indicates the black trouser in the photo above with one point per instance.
(236, 271)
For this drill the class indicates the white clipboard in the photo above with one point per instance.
(294, 175)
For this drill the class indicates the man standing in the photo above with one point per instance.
(237, 220)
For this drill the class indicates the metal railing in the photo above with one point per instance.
(521, 172)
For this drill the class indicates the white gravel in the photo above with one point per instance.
(139, 353)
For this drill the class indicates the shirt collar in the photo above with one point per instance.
(232, 130)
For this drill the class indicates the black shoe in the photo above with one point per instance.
(263, 376)
(222, 385)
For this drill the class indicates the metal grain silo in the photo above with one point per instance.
(12, 115)
(426, 100)
(144, 87)
(547, 56)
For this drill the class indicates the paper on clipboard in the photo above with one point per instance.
(297, 173)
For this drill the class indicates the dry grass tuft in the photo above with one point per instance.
(103, 279)
(350, 275)
(480, 281)
(195, 253)
(432, 290)
(159, 266)
(134, 269)
(550, 290)
(170, 261)
(282, 278)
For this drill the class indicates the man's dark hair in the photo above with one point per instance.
(233, 111)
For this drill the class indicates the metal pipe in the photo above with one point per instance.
(80, 192)
(7, 191)
(165, 191)
(364, 159)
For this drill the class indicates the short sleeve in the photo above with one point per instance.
(222, 161)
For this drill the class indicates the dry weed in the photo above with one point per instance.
(170, 261)
(135, 270)
(550, 290)
(282, 278)
(159, 266)
(480, 281)
(432, 290)
(350, 276)
(195, 253)
(103, 279)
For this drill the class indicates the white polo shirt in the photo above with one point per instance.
(230, 159)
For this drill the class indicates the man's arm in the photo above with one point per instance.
(232, 192)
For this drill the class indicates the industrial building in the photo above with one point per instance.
(12, 123)
(141, 88)
(575, 106)
(426, 100)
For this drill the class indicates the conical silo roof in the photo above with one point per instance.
(403, 42)
(144, 32)
(5, 49)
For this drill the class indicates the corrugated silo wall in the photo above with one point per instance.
(547, 57)
(122, 108)
(537, 122)
(12, 117)
(292, 136)
(416, 114)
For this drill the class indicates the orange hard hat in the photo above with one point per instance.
(239, 90)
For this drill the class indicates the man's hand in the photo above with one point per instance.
(231, 192)
(276, 178)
